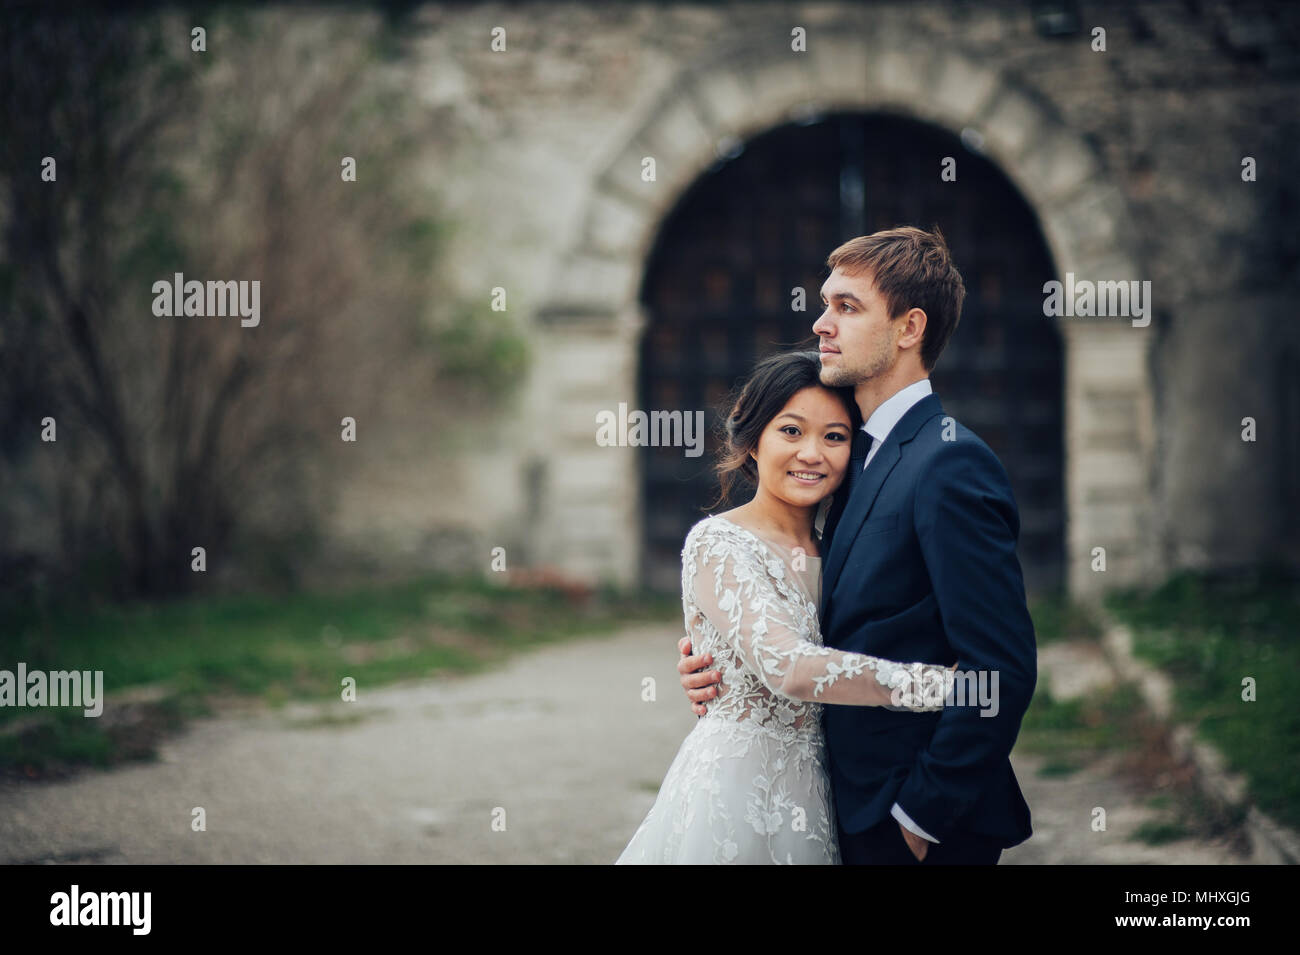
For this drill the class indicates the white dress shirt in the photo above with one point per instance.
(890, 412)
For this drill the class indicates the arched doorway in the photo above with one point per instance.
(760, 222)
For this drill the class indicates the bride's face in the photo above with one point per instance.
(803, 452)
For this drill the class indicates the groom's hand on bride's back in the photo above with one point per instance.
(699, 683)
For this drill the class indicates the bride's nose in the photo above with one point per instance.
(809, 452)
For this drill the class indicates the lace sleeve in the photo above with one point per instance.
(737, 591)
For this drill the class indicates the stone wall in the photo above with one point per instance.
(1132, 158)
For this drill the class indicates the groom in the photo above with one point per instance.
(919, 564)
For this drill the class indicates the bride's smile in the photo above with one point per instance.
(806, 477)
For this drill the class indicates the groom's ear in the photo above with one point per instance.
(914, 329)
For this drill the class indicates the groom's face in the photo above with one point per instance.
(857, 336)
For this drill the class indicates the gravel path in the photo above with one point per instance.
(558, 745)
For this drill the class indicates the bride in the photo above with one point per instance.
(749, 783)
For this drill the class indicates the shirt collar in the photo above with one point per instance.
(893, 408)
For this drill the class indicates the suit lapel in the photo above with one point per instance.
(841, 496)
(858, 507)
(868, 485)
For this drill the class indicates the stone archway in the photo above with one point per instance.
(590, 324)
(722, 289)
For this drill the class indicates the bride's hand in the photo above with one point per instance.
(698, 683)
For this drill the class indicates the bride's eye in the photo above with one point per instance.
(791, 430)
(838, 436)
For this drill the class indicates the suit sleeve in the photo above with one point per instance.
(966, 523)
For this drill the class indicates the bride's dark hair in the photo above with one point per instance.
(773, 382)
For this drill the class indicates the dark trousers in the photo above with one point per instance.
(883, 844)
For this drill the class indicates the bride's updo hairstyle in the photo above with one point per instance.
(774, 381)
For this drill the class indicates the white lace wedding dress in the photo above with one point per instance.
(749, 783)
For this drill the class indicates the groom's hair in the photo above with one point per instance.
(911, 268)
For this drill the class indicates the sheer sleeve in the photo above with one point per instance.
(738, 593)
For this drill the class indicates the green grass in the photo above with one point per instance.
(1073, 733)
(65, 738)
(1158, 832)
(1056, 618)
(1057, 767)
(1067, 732)
(1210, 634)
(1081, 727)
(276, 649)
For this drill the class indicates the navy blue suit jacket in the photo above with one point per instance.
(921, 566)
